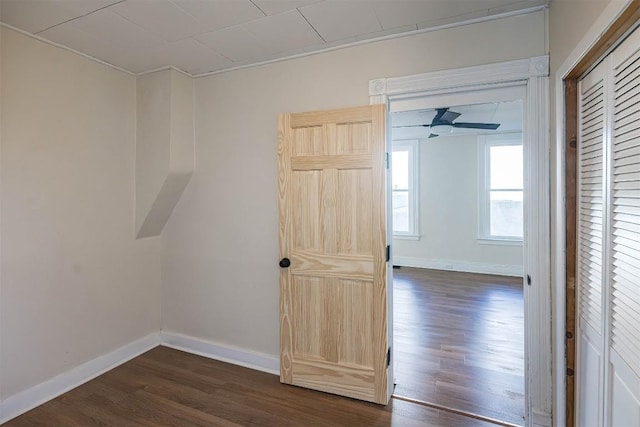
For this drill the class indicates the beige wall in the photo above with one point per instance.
(220, 271)
(165, 155)
(449, 212)
(569, 23)
(74, 284)
(153, 140)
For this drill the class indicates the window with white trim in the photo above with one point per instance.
(501, 188)
(404, 187)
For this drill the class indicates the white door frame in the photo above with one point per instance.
(457, 84)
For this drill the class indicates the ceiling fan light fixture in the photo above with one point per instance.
(441, 129)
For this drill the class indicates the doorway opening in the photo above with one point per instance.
(496, 83)
(457, 202)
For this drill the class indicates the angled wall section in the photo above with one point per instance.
(164, 147)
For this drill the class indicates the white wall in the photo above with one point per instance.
(220, 270)
(448, 214)
(74, 284)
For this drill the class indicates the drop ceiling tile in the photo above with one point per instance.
(160, 17)
(116, 30)
(126, 58)
(235, 43)
(194, 57)
(360, 38)
(215, 15)
(153, 58)
(82, 7)
(136, 63)
(211, 64)
(187, 55)
(339, 19)
(452, 19)
(273, 7)
(396, 13)
(512, 5)
(199, 36)
(33, 16)
(383, 33)
(71, 36)
(284, 32)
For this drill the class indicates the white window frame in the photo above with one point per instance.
(485, 142)
(412, 146)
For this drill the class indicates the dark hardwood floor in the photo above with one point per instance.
(166, 387)
(459, 341)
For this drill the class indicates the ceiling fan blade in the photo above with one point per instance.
(487, 126)
(439, 113)
(411, 126)
(449, 116)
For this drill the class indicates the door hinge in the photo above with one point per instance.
(528, 280)
(386, 160)
(388, 356)
(388, 253)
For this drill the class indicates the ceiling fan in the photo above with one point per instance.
(443, 123)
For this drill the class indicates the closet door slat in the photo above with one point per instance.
(625, 249)
(590, 208)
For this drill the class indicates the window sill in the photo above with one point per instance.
(499, 242)
(406, 236)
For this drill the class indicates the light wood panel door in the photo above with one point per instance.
(333, 290)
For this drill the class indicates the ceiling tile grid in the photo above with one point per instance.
(220, 14)
(339, 19)
(284, 32)
(200, 36)
(33, 17)
(273, 7)
(236, 43)
(159, 17)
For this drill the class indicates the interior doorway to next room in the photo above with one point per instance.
(457, 202)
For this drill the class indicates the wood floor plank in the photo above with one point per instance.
(459, 341)
(166, 387)
(466, 353)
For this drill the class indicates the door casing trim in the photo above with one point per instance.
(532, 74)
(617, 20)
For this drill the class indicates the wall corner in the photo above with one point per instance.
(165, 157)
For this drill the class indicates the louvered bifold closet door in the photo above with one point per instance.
(624, 283)
(591, 181)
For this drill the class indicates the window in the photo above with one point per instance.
(501, 188)
(404, 186)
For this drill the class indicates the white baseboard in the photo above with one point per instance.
(37, 395)
(224, 353)
(50, 389)
(541, 419)
(463, 266)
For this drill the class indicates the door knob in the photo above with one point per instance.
(285, 262)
